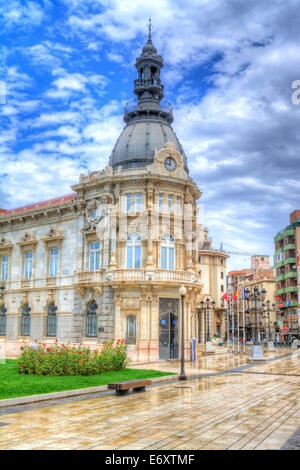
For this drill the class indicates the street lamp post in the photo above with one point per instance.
(208, 345)
(256, 297)
(268, 311)
(2, 291)
(182, 292)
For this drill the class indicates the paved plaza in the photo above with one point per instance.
(235, 405)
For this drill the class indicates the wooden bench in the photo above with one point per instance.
(122, 388)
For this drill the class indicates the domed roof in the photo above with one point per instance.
(136, 145)
(148, 120)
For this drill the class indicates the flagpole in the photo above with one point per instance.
(244, 329)
(227, 310)
(232, 322)
(238, 322)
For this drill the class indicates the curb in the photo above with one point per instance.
(68, 393)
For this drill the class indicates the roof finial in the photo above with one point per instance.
(149, 28)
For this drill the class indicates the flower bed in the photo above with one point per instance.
(62, 359)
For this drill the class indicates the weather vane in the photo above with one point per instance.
(150, 27)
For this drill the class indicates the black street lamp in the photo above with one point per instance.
(257, 297)
(182, 292)
(268, 310)
(2, 291)
(208, 347)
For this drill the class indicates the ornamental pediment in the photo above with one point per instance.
(169, 162)
(5, 244)
(27, 240)
(53, 235)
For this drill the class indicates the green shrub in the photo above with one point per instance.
(71, 360)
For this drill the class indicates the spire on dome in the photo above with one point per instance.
(149, 28)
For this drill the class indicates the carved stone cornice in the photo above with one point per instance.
(5, 245)
(27, 242)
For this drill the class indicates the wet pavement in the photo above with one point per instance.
(254, 408)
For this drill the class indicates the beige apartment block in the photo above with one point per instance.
(262, 279)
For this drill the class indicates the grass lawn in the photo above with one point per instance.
(13, 384)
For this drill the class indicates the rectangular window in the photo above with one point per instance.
(94, 256)
(178, 205)
(170, 203)
(138, 202)
(95, 213)
(160, 202)
(222, 275)
(128, 202)
(53, 268)
(131, 329)
(4, 268)
(28, 265)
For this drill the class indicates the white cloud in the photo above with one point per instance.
(20, 13)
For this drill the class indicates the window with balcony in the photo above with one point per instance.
(28, 265)
(92, 320)
(2, 320)
(134, 251)
(4, 268)
(167, 252)
(131, 329)
(25, 326)
(53, 261)
(94, 256)
(51, 326)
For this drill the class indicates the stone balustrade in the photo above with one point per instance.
(136, 275)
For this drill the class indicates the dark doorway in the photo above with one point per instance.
(168, 336)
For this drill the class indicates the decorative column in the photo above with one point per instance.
(118, 316)
(143, 345)
(154, 329)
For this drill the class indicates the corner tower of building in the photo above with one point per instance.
(148, 118)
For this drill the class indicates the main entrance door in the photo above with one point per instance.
(168, 329)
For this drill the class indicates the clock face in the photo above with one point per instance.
(170, 164)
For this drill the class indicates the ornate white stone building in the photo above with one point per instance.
(107, 261)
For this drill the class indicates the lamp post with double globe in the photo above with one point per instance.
(256, 298)
(268, 311)
(207, 307)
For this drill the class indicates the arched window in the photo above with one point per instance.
(167, 260)
(92, 320)
(26, 320)
(51, 319)
(2, 320)
(134, 251)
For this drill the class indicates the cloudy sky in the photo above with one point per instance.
(66, 71)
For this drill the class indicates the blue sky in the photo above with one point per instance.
(68, 68)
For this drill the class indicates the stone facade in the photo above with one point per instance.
(109, 258)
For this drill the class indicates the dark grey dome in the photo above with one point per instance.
(136, 145)
(148, 118)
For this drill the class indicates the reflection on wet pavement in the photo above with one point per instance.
(229, 411)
